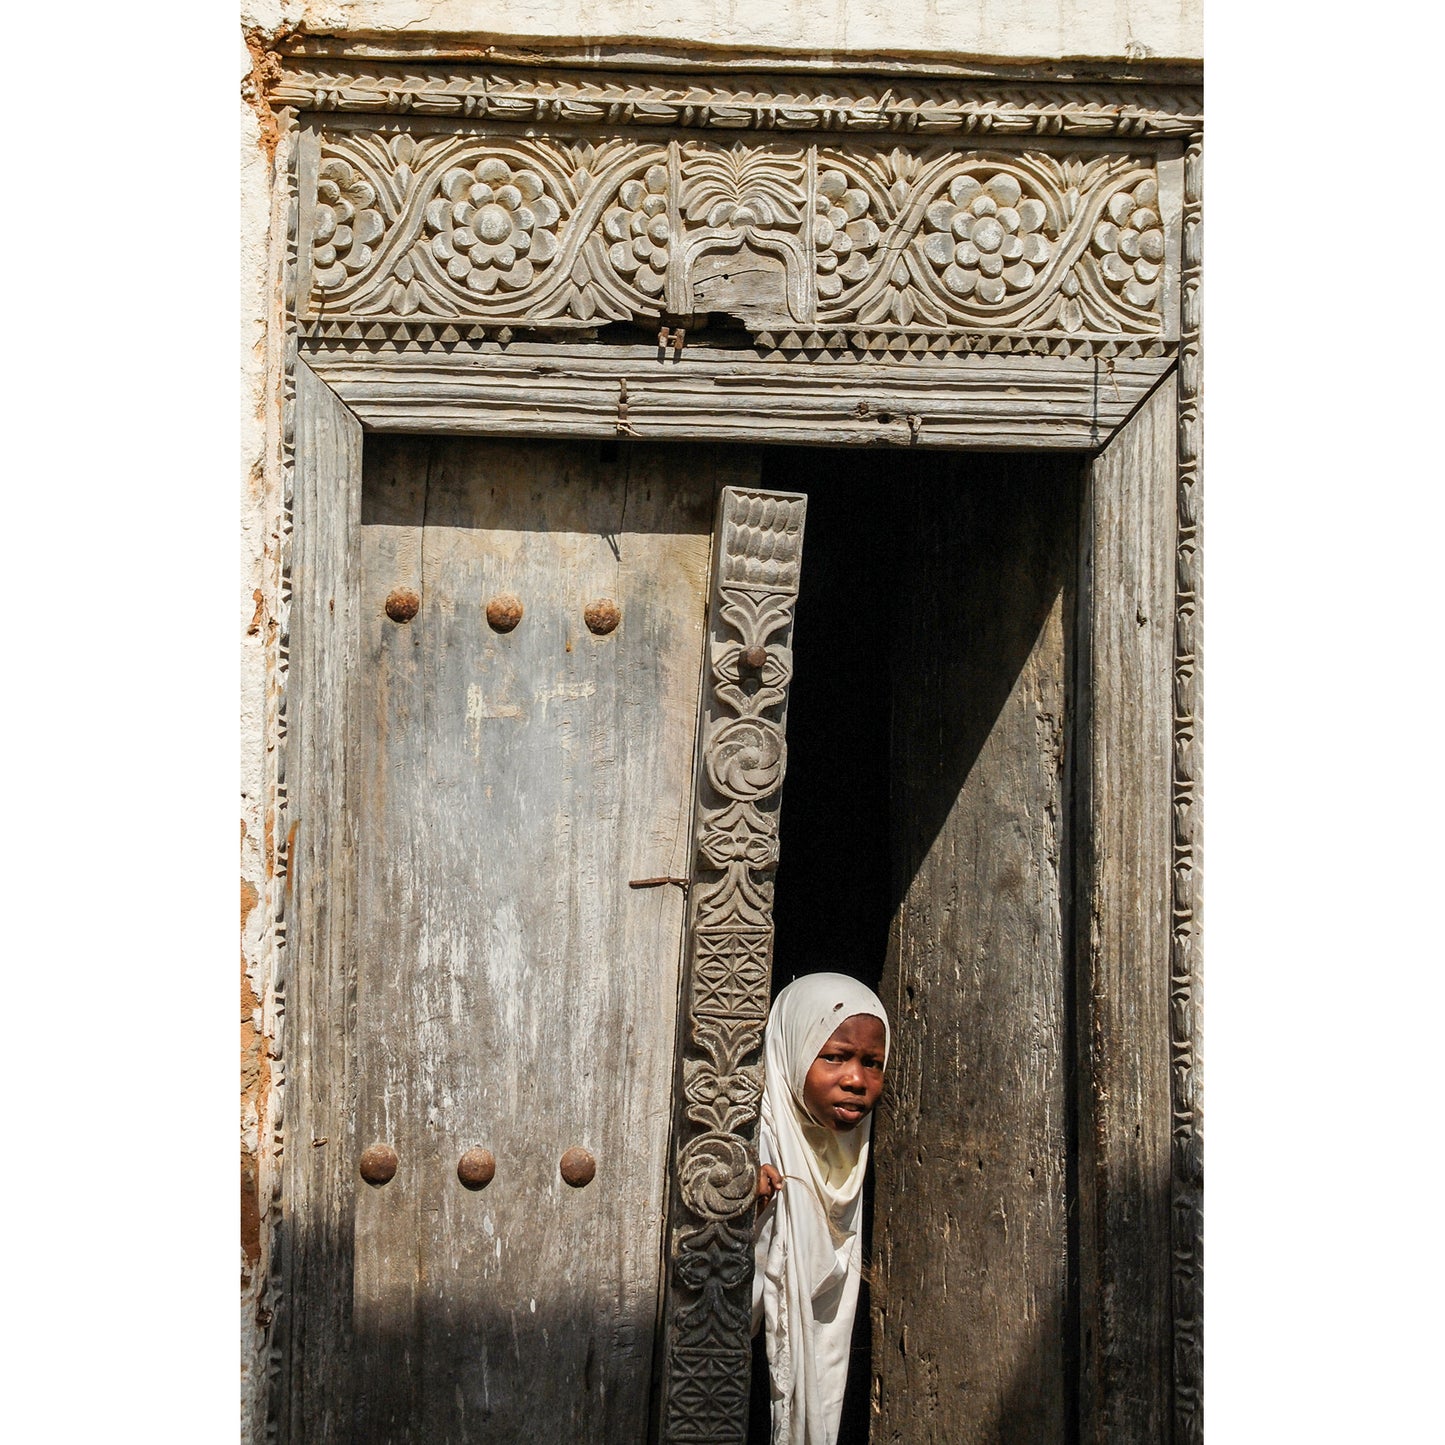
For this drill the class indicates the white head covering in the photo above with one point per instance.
(807, 1253)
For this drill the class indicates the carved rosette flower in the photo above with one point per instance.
(492, 226)
(746, 758)
(639, 231)
(346, 224)
(843, 235)
(716, 1176)
(987, 238)
(1129, 244)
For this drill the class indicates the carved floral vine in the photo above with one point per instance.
(492, 226)
(844, 236)
(540, 231)
(346, 225)
(640, 231)
(1129, 242)
(987, 237)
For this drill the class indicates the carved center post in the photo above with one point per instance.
(742, 755)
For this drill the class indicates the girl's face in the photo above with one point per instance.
(844, 1081)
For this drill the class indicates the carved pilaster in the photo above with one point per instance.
(742, 755)
(1188, 1155)
(278, 1318)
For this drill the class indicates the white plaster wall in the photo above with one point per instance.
(256, 604)
(1014, 29)
(808, 31)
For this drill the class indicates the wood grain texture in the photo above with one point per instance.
(970, 1305)
(1124, 930)
(515, 994)
(317, 988)
(1024, 402)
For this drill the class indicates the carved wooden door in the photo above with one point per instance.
(533, 637)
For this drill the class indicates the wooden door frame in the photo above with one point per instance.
(1128, 404)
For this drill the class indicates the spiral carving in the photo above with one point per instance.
(747, 758)
(716, 1176)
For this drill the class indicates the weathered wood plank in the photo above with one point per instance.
(970, 1305)
(317, 989)
(385, 1394)
(1022, 402)
(1123, 940)
(515, 994)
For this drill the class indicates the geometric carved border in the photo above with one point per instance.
(738, 101)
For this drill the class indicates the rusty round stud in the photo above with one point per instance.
(578, 1167)
(378, 1164)
(476, 1168)
(402, 604)
(602, 616)
(504, 611)
(754, 658)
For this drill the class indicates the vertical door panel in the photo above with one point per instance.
(1124, 957)
(971, 1338)
(514, 993)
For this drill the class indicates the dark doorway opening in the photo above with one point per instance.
(925, 850)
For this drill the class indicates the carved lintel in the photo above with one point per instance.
(912, 243)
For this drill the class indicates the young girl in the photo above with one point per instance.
(826, 1048)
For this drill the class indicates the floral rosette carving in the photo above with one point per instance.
(716, 1176)
(844, 238)
(639, 231)
(986, 238)
(746, 758)
(1129, 244)
(346, 224)
(492, 226)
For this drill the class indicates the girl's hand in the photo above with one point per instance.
(770, 1182)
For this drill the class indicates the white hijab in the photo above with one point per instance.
(806, 1257)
